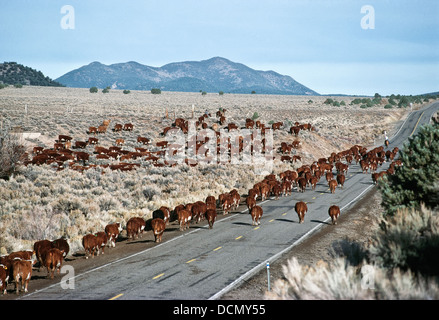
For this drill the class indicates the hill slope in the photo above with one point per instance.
(14, 73)
(212, 75)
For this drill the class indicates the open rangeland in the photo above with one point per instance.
(119, 176)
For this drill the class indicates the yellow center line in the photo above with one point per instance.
(313, 198)
(115, 297)
(237, 238)
(284, 214)
(217, 248)
(417, 124)
(256, 228)
(160, 275)
(191, 261)
(271, 220)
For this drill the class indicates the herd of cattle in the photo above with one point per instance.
(17, 266)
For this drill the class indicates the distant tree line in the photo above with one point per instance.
(13, 73)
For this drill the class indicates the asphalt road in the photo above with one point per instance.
(203, 264)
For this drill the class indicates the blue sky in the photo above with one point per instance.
(320, 43)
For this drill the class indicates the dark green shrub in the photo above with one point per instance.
(93, 90)
(156, 91)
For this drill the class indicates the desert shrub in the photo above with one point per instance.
(340, 281)
(409, 240)
(388, 106)
(93, 90)
(156, 91)
(418, 179)
(126, 91)
(11, 152)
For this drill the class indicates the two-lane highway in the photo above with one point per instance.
(202, 263)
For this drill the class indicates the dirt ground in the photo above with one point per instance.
(356, 225)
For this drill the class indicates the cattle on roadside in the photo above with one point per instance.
(113, 231)
(90, 244)
(158, 227)
(301, 209)
(184, 218)
(22, 269)
(41, 247)
(332, 185)
(256, 213)
(334, 213)
(53, 260)
(341, 179)
(62, 245)
(4, 278)
(102, 240)
(135, 227)
(211, 217)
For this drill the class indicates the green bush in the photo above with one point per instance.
(417, 180)
(126, 91)
(388, 106)
(156, 91)
(93, 90)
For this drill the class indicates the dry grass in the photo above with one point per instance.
(71, 203)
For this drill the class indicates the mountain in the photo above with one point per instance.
(212, 75)
(14, 73)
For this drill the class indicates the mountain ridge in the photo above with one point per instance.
(212, 75)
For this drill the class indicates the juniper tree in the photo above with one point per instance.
(417, 180)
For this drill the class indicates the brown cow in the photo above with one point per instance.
(142, 140)
(301, 184)
(113, 231)
(184, 218)
(102, 240)
(90, 244)
(211, 217)
(158, 227)
(332, 185)
(62, 245)
(251, 202)
(128, 127)
(4, 277)
(334, 213)
(41, 247)
(22, 269)
(256, 213)
(301, 209)
(53, 260)
(120, 142)
(117, 127)
(135, 226)
(341, 179)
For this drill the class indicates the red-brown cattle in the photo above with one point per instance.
(41, 247)
(301, 184)
(313, 182)
(341, 179)
(102, 240)
(301, 209)
(128, 127)
(135, 227)
(113, 231)
(184, 218)
(236, 198)
(4, 278)
(158, 226)
(334, 213)
(53, 260)
(250, 202)
(142, 140)
(117, 127)
(211, 217)
(332, 185)
(90, 244)
(62, 245)
(22, 269)
(256, 213)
